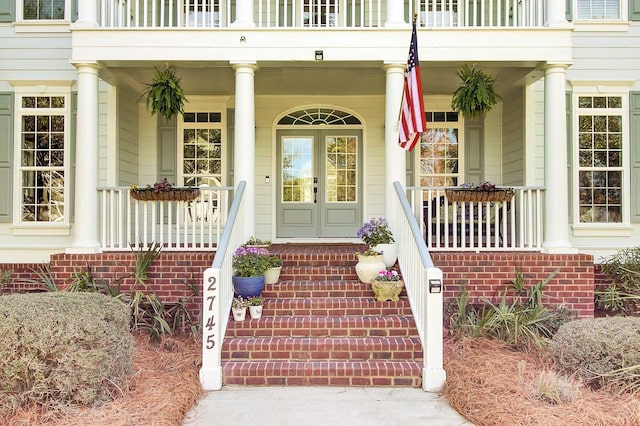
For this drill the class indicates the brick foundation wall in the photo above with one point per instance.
(17, 277)
(487, 275)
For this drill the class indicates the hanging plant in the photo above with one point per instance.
(164, 94)
(476, 94)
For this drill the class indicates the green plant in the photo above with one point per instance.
(375, 232)
(5, 279)
(253, 241)
(369, 252)
(274, 261)
(44, 277)
(164, 94)
(239, 302)
(144, 259)
(476, 94)
(623, 269)
(255, 301)
(250, 261)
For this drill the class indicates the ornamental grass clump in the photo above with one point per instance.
(250, 261)
(375, 232)
(60, 349)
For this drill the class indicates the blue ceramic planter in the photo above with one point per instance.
(248, 286)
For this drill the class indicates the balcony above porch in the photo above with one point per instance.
(346, 30)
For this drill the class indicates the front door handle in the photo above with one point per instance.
(315, 190)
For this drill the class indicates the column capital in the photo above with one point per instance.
(244, 65)
(84, 66)
(550, 67)
(395, 67)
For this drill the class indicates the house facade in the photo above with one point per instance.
(300, 99)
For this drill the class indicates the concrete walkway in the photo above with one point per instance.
(316, 406)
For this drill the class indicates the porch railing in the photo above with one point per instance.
(217, 294)
(480, 226)
(320, 13)
(176, 225)
(424, 285)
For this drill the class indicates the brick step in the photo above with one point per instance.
(322, 348)
(316, 289)
(320, 326)
(318, 273)
(335, 373)
(333, 306)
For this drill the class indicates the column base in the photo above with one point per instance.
(81, 249)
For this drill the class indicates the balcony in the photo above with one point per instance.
(319, 14)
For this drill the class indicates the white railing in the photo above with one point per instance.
(217, 294)
(424, 284)
(480, 226)
(319, 13)
(176, 225)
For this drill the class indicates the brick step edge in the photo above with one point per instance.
(333, 373)
(323, 348)
(316, 289)
(322, 326)
(362, 306)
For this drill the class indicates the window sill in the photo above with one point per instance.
(602, 26)
(42, 27)
(602, 230)
(41, 229)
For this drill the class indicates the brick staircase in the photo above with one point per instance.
(321, 326)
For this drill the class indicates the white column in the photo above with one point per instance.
(556, 14)
(244, 157)
(85, 238)
(395, 158)
(244, 15)
(395, 14)
(556, 203)
(87, 14)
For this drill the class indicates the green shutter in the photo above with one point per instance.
(7, 11)
(635, 155)
(167, 149)
(6, 155)
(634, 10)
(473, 150)
(569, 10)
(74, 10)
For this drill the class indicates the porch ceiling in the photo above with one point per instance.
(315, 78)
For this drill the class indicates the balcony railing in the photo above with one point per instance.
(324, 14)
(176, 225)
(480, 226)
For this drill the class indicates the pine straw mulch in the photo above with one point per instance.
(163, 386)
(491, 384)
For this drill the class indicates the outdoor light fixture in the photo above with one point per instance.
(435, 286)
(319, 55)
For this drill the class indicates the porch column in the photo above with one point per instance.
(244, 15)
(556, 203)
(87, 14)
(244, 154)
(395, 14)
(85, 237)
(395, 158)
(556, 13)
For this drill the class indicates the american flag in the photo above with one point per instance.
(412, 117)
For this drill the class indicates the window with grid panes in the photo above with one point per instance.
(600, 159)
(598, 9)
(37, 10)
(202, 148)
(440, 150)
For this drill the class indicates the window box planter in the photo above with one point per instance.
(474, 195)
(173, 194)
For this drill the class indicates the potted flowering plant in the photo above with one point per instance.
(387, 285)
(164, 191)
(239, 308)
(249, 264)
(485, 191)
(272, 273)
(378, 236)
(255, 306)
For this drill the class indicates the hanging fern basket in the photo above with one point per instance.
(164, 95)
(476, 95)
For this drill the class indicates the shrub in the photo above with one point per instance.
(62, 348)
(623, 269)
(600, 350)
